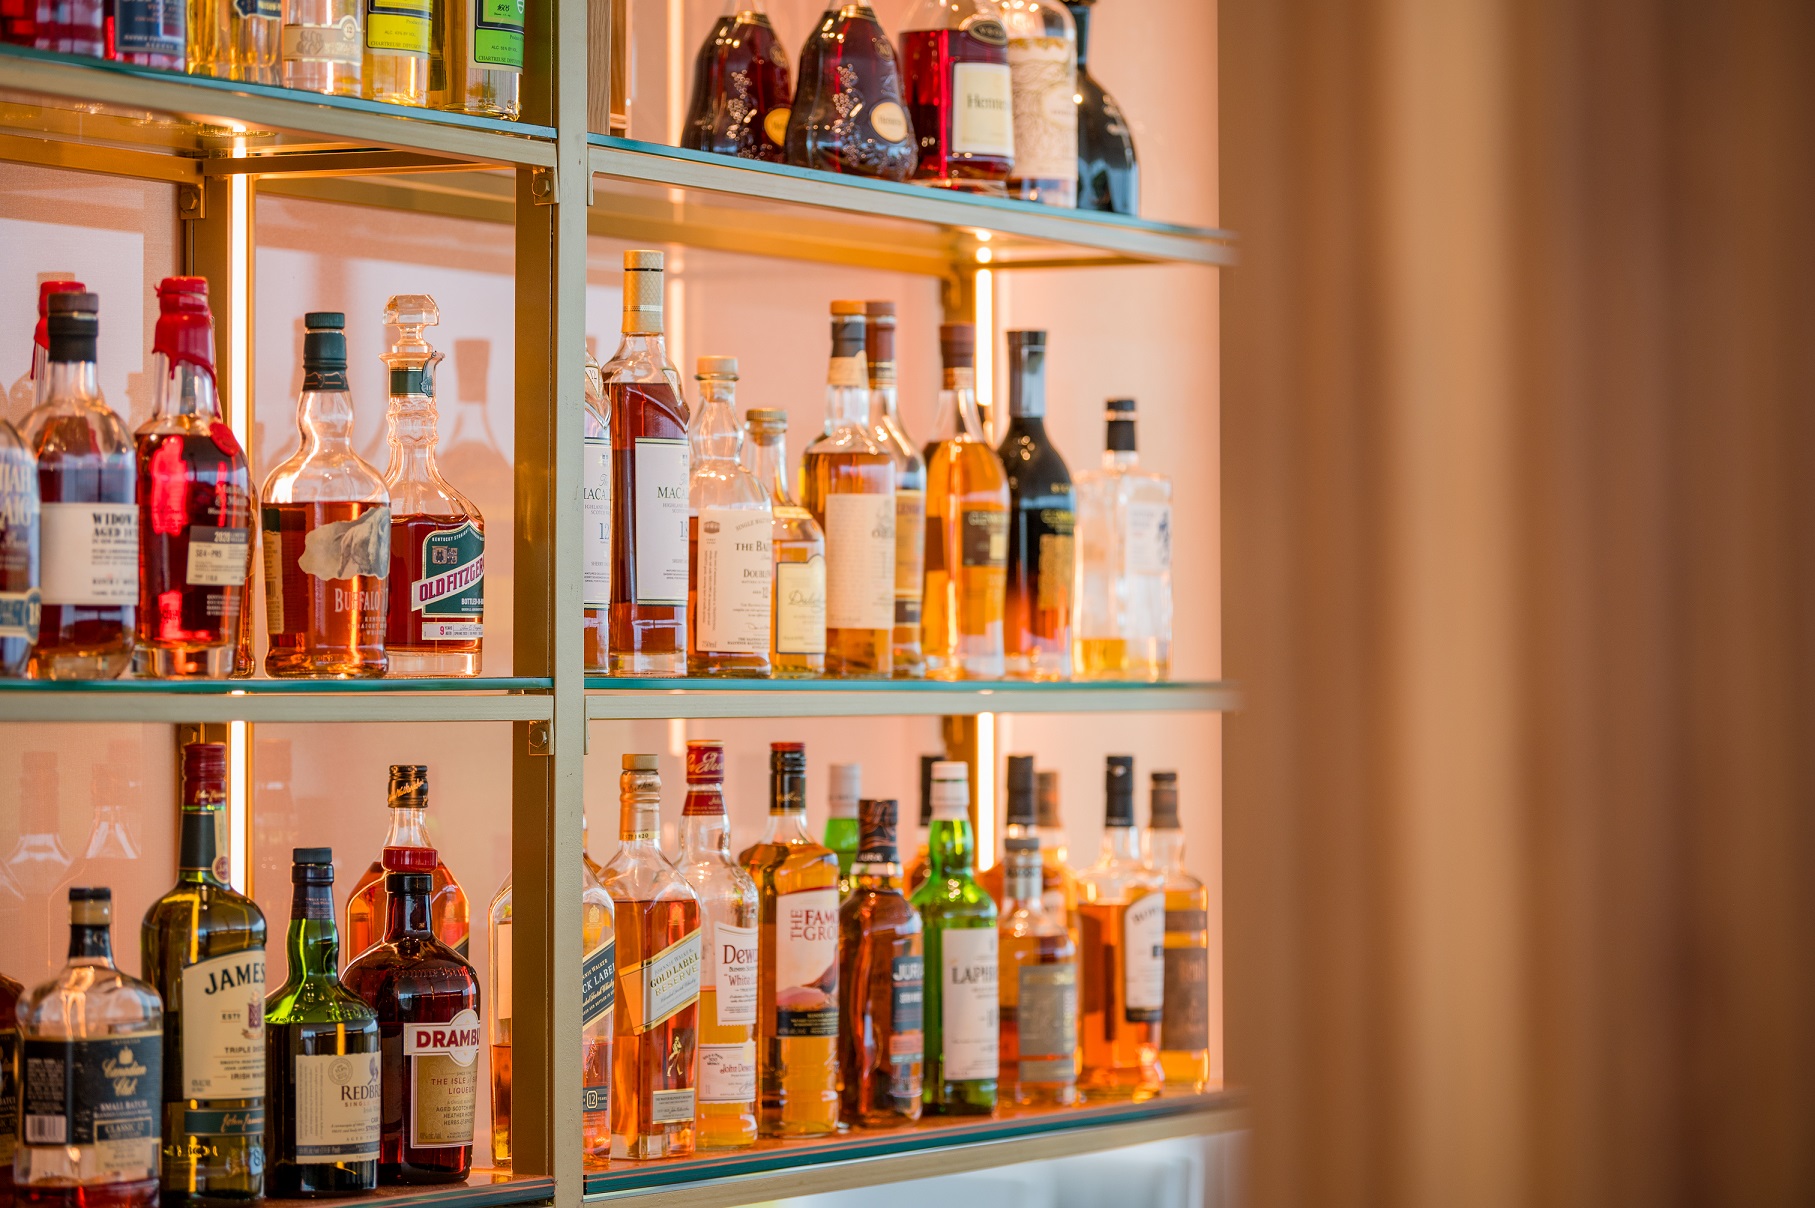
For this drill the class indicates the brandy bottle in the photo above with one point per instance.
(954, 69)
(1043, 65)
(1109, 175)
(910, 488)
(731, 575)
(741, 91)
(21, 603)
(848, 113)
(1122, 930)
(797, 623)
(407, 798)
(1185, 1021)
(1039, 987)
(1041, 523)
(880, 986)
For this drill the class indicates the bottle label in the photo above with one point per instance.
(599, 983)
(498, 34)
(1185, 1021)
(848, 371)
(398, 26)
(1144, 959)
(663, 986)
(20, 614)
(444, 1079)
(1045, 74)
(451, 593)
(860, 561)
(149, 26)
(9, 1093)
(661, 521)
(806, 963)
(1047, 1016)
(983, 537)
(734, 580)
(265, 9)
(1052, 587)
(983, 118)
(336, 44)
(910, 554)
(775, 124)
(89, 553)
(800, 606)
(338, 1101)
(907, 1012)
(671, 1107)
(734, 974)
(103, 1095)
(348, 549)
(224, 1026)
(728, 1073)
(595, 542)
(889, 121)
(327, 576)
(968, 1008)
(218, 557)
(1149, 538)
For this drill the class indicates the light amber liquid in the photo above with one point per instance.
(791, 547)
(715, 662)
(1186, 1068)
(229, 46)
(332, 627)
(397, 76)
(1120, 659)
(850, 652)
(723, 1125)
(661, 1058)
(962, 620)
(796, 1076)
(1015, 952)
(1121, 1059)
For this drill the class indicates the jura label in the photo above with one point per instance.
(733, 973)
(806, 963)
(599, 983)
(595, 510)
(661, 521)
(662, 986)
(907, 1010)
(338, 1101)
(734, 580)
(218, 557)
(727, 1072)
(103, 1094)
(1144, 961)
(443, 1069)
(89, 553)
(1047, 1014)
(224, 1026)
(1149, 538)
(968, 1007)
(800, 606)
(1045, 73)
(860, 561)
(450, 595)
(982, 109)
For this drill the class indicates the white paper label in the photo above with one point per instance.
(1149, 538)
(501, 965)
(735, 577)
(1045, 75)
(661, 528)
(860, 561)
(806, 940)
(800, 606)
(982, 109)
(89, 553)
(595, 541)
(1144, 960)
(338, 1096)
(734, 974)
(224, 1026)
(728, 1073)
(968, 1007)
(848, 371)
(218, 557)
(452, 631)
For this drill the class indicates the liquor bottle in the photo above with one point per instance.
(326, 530)
(321, 47)
(649, 457)
(21, 604)
(1185, 1019)
(1058, 886)
(145, 33)
(28, 391)
(797, 625)
(235, 40)
(966, 527)
(427, 999)
(1040, 522)
(477, 67)
(741, 90)
(797, 959)
(730, 522)
(728, 968)
(848, 115)
(88, 516)
(844, 785)
(407, 797)
(195, 502)
(849, 486)
(1124, 620)
(595, 515)
(399, 41)
(1122, 928)
(91, 1039)
(1043, 63)
(1039, 988)
(657, 916)
(10, 991)
(918, 866)
(323, 1071)
(592, 866)
(910, 489)
(435, 622)
(1109, 176)
(881, 966)
(72, 29)
(962, 1009)
(202, 947)
(954, 68)
(1061, 883)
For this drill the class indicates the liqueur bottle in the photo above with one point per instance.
(321, 47)
(1039, 987)
(326, 531)
(741, 91)
(595, 516)
(1061, 881)
(910, 488)
(91, 1039)
(407, 797)
(730, 522)
(649, 455)
(1043, 62)
(844, 785)
(850, 489)
(195, 502)
(1109, 176)
(797, 625)
(881, 964)
(1040, 522)
(728, 968)
(202, 947)
(954, 68)
(848, 115)
(235, 39)
(1185, 1018)
(10, 991)
(427, 1000)
(962, 1011)
(435, 621)
(88, 516)
(657, 916)
(323, 1071)
(399, 36)
(145, 33)
(72, 29)
(966, 527)
(21, 604)
(28, 391)
(797, 959)
(477, 65)
(1124, 621)
(918, 866)
(1122, 927)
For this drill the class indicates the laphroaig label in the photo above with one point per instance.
(595, 540)
(982, 110)
(968, 1004)
(661, 520)
(662, 986)
(443, 1069)
(727, 1072)
(860, 561)
(800, 606)
(218, 557)
(89, 553)
(806, 963)
(733, 974)
(103, 1095)
(1045, 74)
(1047, 1019)
(398, 26)
(734, 580)
(451, 593)
(338, 1097)
(1144, 960)
(1149, 538)
(224, 1026)
(498, 34)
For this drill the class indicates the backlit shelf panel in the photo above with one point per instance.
(630, 699)
(520, 699)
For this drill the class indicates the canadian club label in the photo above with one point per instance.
(599, 983)
(338, 1100)
(450, 595)
(806, 963)
(9, 1093)
(1047, 1015)
(661, 987)
(968, 1004)
(1144, 965)
(443, 1069)
(223, 1022)
(98, 1094)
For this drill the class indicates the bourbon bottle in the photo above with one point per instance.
(1122, 921)
(880, 985)
(28, 391)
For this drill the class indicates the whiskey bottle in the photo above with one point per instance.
(1122, 926)
(88, 515)
(195, 502)
(910, 489)
(90, 1052)
(1124, 621)
(881, 967)
(657, 916)
(1109, 175)
(1040, 523)
(1043, 65)
(730, 521)
(478, 66)
(797, 959)
(435, 620)
(1185, 1017)
(1061, 884)
(844, 786)
(954, 69)
(20, 600)
(917, 868)
(1039, 987)
(741, 90)
(322, 46)
(326, 536)
(399, 43)
(966, 527)
(797, 625)
(728, 969)
(323, 1071)
(848, 115)
(427, 1000)
(407, 797)
(1057, 886)
(10, 991)
(962, 1008)
(649, 456)
(595, 514)
(849, 486)
(235, 40)
(202, 947)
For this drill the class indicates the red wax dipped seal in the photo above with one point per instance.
(41, 335)
(185, 330)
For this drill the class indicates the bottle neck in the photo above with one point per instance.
(716, 435)
(788, 826)
(1120, 459)
(91, 944)
(769, 463)
(183, 388)
(324, 418)
(409, 827)
(1167, 849)
(1122, 843)
(72, 380)
(406, 913)
(847, 392)
(959, 418)
(1022, 881)
(1080, 17)
(412, 421)
(313, 943)
(195, 855)
(951, 851)
(705, 831)
(640, 814)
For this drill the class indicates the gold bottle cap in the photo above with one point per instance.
(640, 763)
(849, 308)
(642, 292)
(721, 367)
(767, 417)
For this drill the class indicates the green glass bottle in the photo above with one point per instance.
(962, 1010)
(846, 786)
(202, 946)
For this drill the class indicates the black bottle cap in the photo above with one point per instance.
(418, 883)
(324, 341)
(72, 325)
(1119, 413)
(312, 866)
(1118, 790)
(312, 855)
(1027, 374)
(409, 788)
(926, 787)
(876, 825)
(1021, 811)
(1164, 801)
(90, 893)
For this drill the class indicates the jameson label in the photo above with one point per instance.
(910, 554)
(218, 557)
(982, 537)
(982, 108)
(659, 988)
(595, 540)
(1044, 73)
(806, 963)
(800, 606)
(9, 1093)
(907, 1041)
(733, 580)
(338, 1097)
(89, 553)
(1144, 962)
(336, 44)
(397, 26)
(733, 973)
(968, 1007)
(671, 1107)
(149, 26)
(451, 593)
(599, 983)
(443, 1071)
(498, 34)
(1149, 538)
(860, 561)
(223, 1021)
(727, 1072)
(661, 521)
(102, 1094)
(1048, 1017)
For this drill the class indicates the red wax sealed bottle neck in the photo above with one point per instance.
(41, 335)
(185, 330)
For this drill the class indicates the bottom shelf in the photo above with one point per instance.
(481, 1189)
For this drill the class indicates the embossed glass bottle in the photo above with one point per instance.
(797, 624)
(742, 96)
(731, 578)
(954, 67)
(910, 488)
(848, 114)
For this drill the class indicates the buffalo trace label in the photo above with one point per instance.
(443, 1074)
(806, 963)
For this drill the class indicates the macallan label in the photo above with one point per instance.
(727, 1073)
(443, 1071)
(89, 553)
(224, 1026)
(806, 963)
(101, 1095)
(1144, 959)
(733, 961)
(663, 986)
(860, 561)
(661, 520)
(968, 1004)
(1149, 538)
(800, 606)
(734, 580)
(595, 511)
(338, 1100)
(982, 110)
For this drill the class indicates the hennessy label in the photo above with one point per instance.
(1144, 961)
(103, 1094)
(982, 107)
(223, 1025)
(661, 987)
(968, 1004)
(450, 595)
(338, 1100)
(806, 963)
(443, 1069)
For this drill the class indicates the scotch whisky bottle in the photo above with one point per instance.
(1039, 987)
(910, 488)
(1041, 523)
(797, 624)
(881, 963)
(1185, 1018)
(407, 797)
(1122, 925)
(731, 579)
(1124, 614)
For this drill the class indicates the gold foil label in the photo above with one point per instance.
(656, 990)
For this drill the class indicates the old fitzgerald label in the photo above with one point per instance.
(450, 595)
(338, 1100)
(806, 963)
(444, 1079)
(663, 986)
(224, 1027)
(98, 1094)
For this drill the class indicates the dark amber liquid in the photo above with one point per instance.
(84, 630)
(739, 79)
(142, 1194)
(661, 1058)
(1121, 1059)
(330, 627)
(875, 927)
(645, 638)
(188, 479)
(403, 624)
(847, 71)
(927, 59)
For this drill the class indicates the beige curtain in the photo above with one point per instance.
(1519, 423)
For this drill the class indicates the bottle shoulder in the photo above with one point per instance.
(71, 428)
(319, 1000)
(84, 1001)
(206, 909)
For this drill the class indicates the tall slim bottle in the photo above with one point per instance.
(910, 488)
(1124, 618)
(1041, 523)
(797, 624)
(731, 580)
(1039, 986)
(844, 785)
(881, 962)
(1109, 175)
(1185, 1019)
(1122, 921)
(1057, 885)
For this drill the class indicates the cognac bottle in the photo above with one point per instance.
(848, 114)
(1041, 523)
(1109, 175)
(1043, 64)
(954, 68)
(741, 91)
(881, 963)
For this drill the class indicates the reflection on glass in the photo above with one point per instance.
(38, 861)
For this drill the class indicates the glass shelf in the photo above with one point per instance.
(626, 699)
(513, 699)
(484, 1189)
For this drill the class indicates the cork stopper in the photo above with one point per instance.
(642, 292)
(772, 418)
(1164, 800)
(91, 906)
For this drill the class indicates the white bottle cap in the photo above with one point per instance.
(951, 791)
(846, 780)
